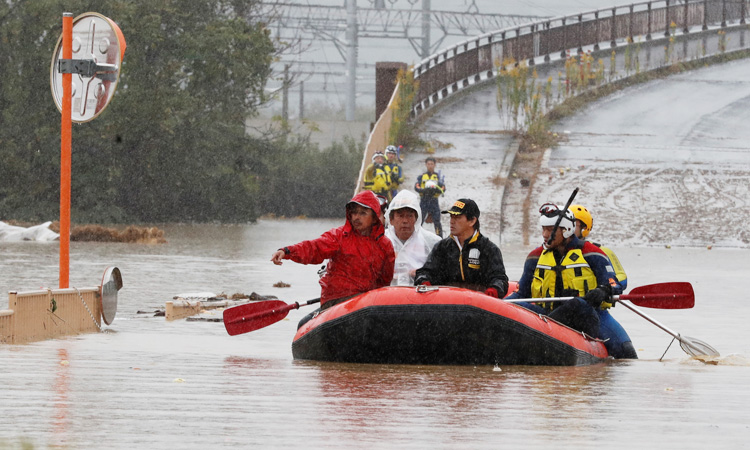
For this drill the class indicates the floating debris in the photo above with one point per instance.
(191, 304)
(204, 319)
(281, 284)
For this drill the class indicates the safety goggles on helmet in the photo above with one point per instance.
(549, 210)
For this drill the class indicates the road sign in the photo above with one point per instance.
(98, 48)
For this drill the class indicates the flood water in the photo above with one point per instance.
(148, 383)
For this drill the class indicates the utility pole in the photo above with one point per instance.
(426, 16)
(285, 95)
(344, 28)
(351, 59)
(301, 100)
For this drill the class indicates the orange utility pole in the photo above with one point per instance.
(66, 141)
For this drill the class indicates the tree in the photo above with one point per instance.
(172, 144)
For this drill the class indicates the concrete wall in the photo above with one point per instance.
(46, 314)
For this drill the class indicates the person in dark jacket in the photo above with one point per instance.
(361, 257)
(466, 258)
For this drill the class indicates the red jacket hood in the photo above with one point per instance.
(368, 200)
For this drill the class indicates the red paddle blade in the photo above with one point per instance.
(676, 295)
(253, 316)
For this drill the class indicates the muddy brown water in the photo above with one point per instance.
(148, 383)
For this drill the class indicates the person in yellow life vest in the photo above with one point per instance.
(584, 225)
(566, 266)
(376, 177)
(393, 167)
(617, 341)
(430, 186)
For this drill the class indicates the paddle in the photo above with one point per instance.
(691, 346)
(560, 217)
(675, 295)
(253, 316)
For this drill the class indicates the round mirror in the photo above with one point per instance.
(96, 39)
(111, 283)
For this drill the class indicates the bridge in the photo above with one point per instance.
(456, 103)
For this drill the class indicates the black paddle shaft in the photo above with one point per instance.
(559, 218)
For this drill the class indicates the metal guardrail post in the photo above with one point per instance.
(517, 46)
(686, 28)
(705, 15)
(533, 44)
(743, 11)
(613, 41)
(667, 23)
(565, 39)
(723, 13)
(580, 34)
(630, 24)
(547, 27)
(596, 19)
(648, 32)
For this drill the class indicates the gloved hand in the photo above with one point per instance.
(600, 297)
(492, 292)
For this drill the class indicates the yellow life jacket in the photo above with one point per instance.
(377, 180)
(622, 277)
(575, 272)
(427, 177)
(394, 174)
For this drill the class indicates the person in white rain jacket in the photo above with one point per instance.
(410, 241)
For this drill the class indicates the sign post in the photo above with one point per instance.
(66, 141)
(81, 88)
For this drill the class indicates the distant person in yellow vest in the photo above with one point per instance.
(430, 186)
(376, 176)
(393, 167)
(616, 339)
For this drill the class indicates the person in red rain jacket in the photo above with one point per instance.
(361, 257)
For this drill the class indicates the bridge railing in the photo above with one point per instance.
(475, 59)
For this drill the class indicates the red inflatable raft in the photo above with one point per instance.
(440, 325)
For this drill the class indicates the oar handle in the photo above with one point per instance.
(560, 217)
(309, 302)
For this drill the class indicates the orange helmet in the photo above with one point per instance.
(584, 216)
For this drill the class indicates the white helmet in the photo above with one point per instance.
(549, 215)
(376, 154)
(431, 184)
(391, 149)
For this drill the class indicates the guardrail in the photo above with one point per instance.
(474, 60)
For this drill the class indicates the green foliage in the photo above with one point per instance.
(403, 131)
(300, 180)
(171, 146)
